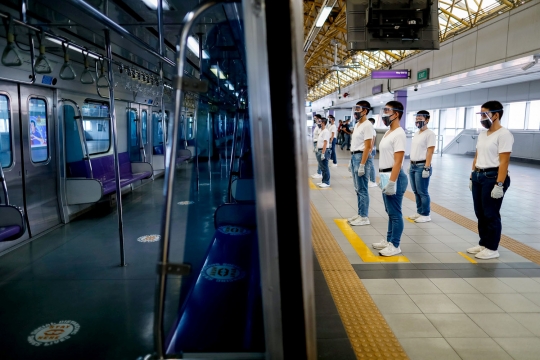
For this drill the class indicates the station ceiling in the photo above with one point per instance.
(455, 16)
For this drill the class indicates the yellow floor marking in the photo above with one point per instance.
(312, 186)
(517, 247)
(410, 220)
(468, 258)
(368, 331)
(361, 248)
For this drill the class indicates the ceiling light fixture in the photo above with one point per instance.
(60, 42)
(536, 58)
(214, 69)
(153, 4)
(193, 45)
(323, 15)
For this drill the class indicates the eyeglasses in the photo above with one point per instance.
(386, 109)
(359, 108)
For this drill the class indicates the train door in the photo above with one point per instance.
(10, 150)
(145, 146)
(134, 133)
(38, 129)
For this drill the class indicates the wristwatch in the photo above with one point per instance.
(500, 184)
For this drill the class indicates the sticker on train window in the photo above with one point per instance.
(233, 230)
(223, 272)
(37, 129)
(53, 333)
(47, 80)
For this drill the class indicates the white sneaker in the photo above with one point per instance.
(334, 165)
(372, 184)
(360, 221)
(390, 250)
(422, 219)
(380, 245)
(487, 254)
(323, 185)
(415, 216)
(317, 176)
(319, 183)
(352, 218)
(476, 249)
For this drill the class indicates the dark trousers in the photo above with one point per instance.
(487, 209)
(334, 157)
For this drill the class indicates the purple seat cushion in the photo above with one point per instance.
(8, 231)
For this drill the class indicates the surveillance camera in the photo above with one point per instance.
(415, 87)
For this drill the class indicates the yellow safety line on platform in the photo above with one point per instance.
(468, 257)
(517, 247)
(362, 249)
(312, 186)
(410, 220)
(368, 332)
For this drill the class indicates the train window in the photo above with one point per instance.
(144, 126)
(157, 134)
(96, 126)
(39, 148)
(134, 147)
(6, 157)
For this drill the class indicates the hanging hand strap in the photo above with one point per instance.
(86, 77)
(10, 55)
(66, 72)
(42, 65)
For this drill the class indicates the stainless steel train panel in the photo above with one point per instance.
(38, 124)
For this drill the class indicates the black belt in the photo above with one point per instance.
(487, 169)
(385, 170)
(357, 152)
(321, 149)
(418, 162)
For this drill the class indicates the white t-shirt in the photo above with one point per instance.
(332, 129)
(391, 142)
(489, 147)
(316, 133)
(421, 141)
(361, 133)
(324, 135)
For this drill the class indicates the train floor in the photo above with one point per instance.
(438, 302)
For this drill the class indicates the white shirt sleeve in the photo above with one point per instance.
(506, 140)
(368, 132)
(399, 142)
(431, 139)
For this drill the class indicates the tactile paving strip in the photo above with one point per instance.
(370, 335)
(517, 247)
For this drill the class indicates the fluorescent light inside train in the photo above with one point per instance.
(214, 69)
(229, 85)
(193, 45)
(323, 15)
(59, 42)
(153, 4)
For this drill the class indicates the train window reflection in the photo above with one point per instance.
(144, 126)
(96, 126)
(157, 134)
(39, 148)
(6, 157)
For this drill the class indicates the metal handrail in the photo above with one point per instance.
(4, 184)
(81, 134)
(105, 20)
(170, 162)
(233, 154)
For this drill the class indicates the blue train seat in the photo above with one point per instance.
(12, 223)
(223, 311)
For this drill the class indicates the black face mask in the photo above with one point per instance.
(420, 124)
(319, 125)
(486, 123)
(386, 120)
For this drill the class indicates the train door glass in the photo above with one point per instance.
(96, 127)
(157, 134)
(144, 126)
(134, 146)
(39, 149)
(167, 126)
(6, 156)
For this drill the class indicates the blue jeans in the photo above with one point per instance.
(323, 164)
(319, 171)
(419, 187)
(392, 205)
(361, 185)
(346, 141)
(334, 157)
(487, 209)
(371, 168)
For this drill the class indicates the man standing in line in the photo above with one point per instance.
(347, 132)
(333, 134)
(323, 153)
(316, 132)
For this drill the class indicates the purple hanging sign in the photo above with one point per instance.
(390, 74)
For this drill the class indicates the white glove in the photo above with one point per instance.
(497, 192)
(470, 184)
(425, 173)
(361, 170)
(322, 156)
(390, 188)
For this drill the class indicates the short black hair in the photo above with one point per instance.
(366, 105)
(33, 122)
(324, 120)
(372, 120)
(331, 116)
(397, 106)
(494, 106)
(317, 116)
(424, 112)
